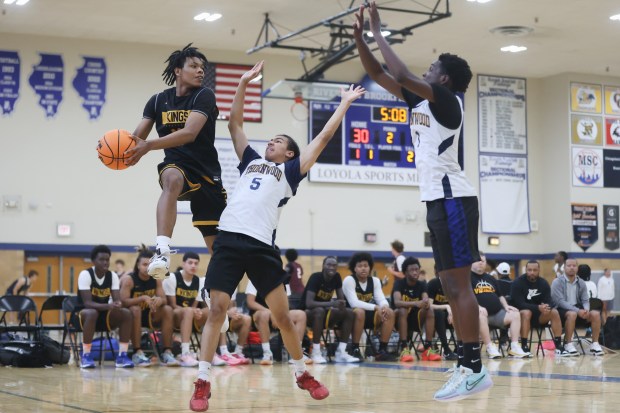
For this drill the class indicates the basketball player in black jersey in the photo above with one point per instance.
(184, 116)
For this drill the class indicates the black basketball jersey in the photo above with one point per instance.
(101, 293)
(170, 112)
(141, 287)
(408, 292)
(435, 291)
(185, 296)
(365, 295)
(22, 289)
(323, 289)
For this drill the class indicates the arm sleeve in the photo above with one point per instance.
(149, 108)
(116, 284)
(84, 280)
(249, 154)
(170, 285)
(378, 293)
(348, 288)
(446, 108)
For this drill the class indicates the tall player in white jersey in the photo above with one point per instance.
(245, 243)
(451, 202)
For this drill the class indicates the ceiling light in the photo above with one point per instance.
(478, 1)
(208, 17)
(384, 33)
(615, 17)
(513, 49)
(22, 2)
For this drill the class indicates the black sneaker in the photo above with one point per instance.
(383, 355)
(356, 352)
(450, 356)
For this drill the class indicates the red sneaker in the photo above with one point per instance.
(316, 389)
(200, 399)
(430, 355)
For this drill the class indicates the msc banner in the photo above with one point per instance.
(585, 225)
(610, 225)
(504, 195)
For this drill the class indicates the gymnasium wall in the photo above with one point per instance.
(50, 166)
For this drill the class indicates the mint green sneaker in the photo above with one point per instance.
(464, 383)
(168, 360)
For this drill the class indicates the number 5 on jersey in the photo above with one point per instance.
(255, 183)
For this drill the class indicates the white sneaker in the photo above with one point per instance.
(318, 359)
(306, 359)
(596, 350)
(570, 347)
(159, 265)
(493, 352)
(517, 352)
(267, 359)
(217, 361)
(344, 357)
(464, 383)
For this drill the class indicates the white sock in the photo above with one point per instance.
(239, 349)
(300, 367)
(204, 370)
(342, 347)
(163, 244)
(184, 348)
(316, 349)
(266, 348)
(224, 351)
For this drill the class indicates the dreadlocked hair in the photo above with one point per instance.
(177, 60)
(143, 252)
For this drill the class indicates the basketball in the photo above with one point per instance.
(112, 146)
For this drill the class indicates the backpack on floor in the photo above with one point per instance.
(611, 333)
(23, 353)
(54, 350)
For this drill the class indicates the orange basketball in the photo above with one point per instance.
(111, 148)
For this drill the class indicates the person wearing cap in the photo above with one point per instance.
(503, 280)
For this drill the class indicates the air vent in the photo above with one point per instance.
(512, 31)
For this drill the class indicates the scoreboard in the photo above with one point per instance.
(371, 146)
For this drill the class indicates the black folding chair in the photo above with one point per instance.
(26, 312)
(53, 303)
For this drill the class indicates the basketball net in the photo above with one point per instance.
(299, 109)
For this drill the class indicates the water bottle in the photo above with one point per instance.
(284, 354)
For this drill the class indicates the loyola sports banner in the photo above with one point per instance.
(503, 194)
(610, 226)
(585, 225)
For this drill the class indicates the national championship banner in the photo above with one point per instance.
(223, 79)
(504, 195)
(585, 225)
(610, 226)
(9, 80)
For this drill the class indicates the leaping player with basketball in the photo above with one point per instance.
(245, 242)
(184, 117)
(451, 202)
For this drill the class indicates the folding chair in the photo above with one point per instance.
(496, 334)
(24, 307)
(71, 309)
(539, 332)
(53, 303)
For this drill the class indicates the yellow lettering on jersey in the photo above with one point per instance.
(440, 299)
(174, 116)
(150, 293)
(265, 169)
(484, 289)
(364, 297)
(324, 295)
(186, 293)
(418, 118)
(407, 298)
(100, 292)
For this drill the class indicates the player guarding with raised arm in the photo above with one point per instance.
(451, 202)
(245, 242)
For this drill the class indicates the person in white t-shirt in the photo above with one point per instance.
(397, 266)
(606, 293)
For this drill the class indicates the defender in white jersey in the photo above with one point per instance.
(451, 202)
(245, 243)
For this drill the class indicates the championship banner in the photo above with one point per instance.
(585, 98)
(611, 168)
(610, 226)
(9, 80)
(585, 225)
(504, 195)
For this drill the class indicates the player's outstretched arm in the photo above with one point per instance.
(309, 155)
(235, 123)
(370, 62)
(397, 67)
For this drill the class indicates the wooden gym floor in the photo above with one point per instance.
(575, 385)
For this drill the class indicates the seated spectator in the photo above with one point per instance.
(182, 288)
(98, 292)
(503, 280)
(499, 313)
(570, 294)
(531, 294)
(295, 272)
(323, 311)
(264, 322)
(372, 311)
(413, 309)
(21, 285)
(443, 315)
(145, 298)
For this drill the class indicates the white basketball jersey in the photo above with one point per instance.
(257, 200)
(436, 155)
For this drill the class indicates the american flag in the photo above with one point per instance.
(223, 79)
